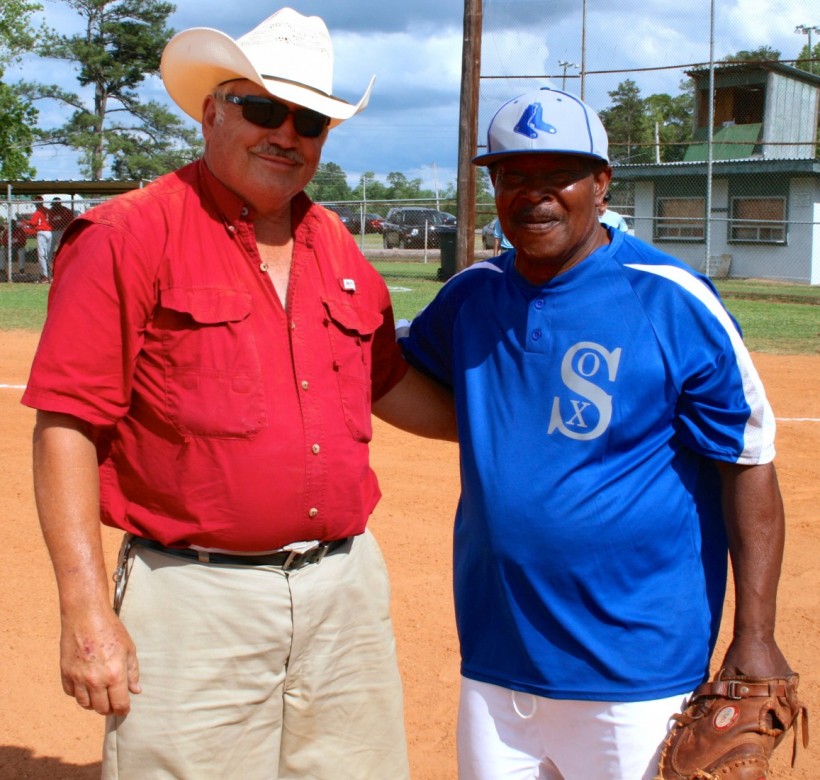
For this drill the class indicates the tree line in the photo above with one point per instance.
(119, 135)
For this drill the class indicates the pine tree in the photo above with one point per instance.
(114, 130)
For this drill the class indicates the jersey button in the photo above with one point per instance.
(536, 334)
(540, 303)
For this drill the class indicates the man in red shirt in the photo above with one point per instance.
(40, 224)
(211, 397)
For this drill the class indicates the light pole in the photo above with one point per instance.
(564, 64)
(435, 183)
(808, 29)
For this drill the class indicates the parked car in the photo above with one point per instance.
(372, 223)
(449, 219)
(375, 223)
(488, 234)
(345, 213)
(408, 226)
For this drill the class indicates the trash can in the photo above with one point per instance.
(447, 245)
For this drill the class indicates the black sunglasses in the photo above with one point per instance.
(266, 112)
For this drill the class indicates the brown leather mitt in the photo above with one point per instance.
(730, 727)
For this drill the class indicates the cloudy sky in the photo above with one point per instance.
(414, 49)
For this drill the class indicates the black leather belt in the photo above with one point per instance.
(286, 559)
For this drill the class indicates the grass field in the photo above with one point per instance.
(775, 317)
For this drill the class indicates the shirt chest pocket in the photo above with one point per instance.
(213, 381)
(350, 331)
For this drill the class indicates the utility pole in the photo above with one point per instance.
(583, 46)
(468, 131)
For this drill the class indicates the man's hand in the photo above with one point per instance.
(754, 656)
(98, 662)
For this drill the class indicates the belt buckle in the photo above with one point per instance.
(293, 556)
(296, 559)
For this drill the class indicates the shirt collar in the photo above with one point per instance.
(228, 205)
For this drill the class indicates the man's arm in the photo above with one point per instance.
(755, 524)
(98, 661)
(419, 405)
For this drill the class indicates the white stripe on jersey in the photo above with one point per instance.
(758, 436)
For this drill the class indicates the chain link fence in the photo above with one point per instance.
(23, 256)
(21, 262)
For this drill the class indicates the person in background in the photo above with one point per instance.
(501, 242)
(204, 382)
(616, 442)
(18, 243)
(40, 224)
(606, 216)
(61, 217)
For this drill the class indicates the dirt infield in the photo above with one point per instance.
(43, 734)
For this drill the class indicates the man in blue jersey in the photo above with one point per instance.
(616, 442)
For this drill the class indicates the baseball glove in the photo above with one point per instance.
(730, 727)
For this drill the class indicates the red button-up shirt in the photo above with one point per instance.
(40, 220)
(221, 419)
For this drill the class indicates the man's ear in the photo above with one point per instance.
(209, 110)
(602, 178)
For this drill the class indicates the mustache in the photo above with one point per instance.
(274, 150)
(536, 213)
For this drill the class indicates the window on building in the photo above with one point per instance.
(758, 220)
(741, 104)
(680, 219)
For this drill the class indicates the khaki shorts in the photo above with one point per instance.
(255, 673)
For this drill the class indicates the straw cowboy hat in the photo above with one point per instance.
(289, 55)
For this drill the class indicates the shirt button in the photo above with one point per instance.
(313, 512)
(315, 449)
(244, 211)
(536, 334)
(539, 304)
(231, 228)
(305, 384)
(263, 267)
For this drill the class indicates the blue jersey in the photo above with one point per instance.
(590, 554)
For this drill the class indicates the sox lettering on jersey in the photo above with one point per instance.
(582, 362)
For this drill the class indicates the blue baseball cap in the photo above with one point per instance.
(545, 121)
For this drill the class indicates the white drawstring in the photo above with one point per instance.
(518, 712)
